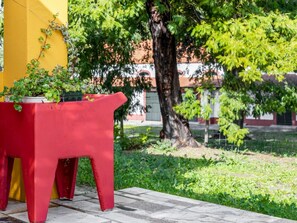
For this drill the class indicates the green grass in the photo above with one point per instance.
(247, 182)
(274, 143)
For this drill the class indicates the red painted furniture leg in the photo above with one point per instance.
(39, 175)
(6, 164)
(103, 174)
(66, 177)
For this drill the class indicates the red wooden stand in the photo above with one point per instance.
(44, 135)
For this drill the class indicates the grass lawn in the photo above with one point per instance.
(251, 179)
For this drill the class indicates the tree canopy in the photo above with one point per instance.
(106, 34)
(244, 39)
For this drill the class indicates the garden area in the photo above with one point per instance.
(92, 47)
(260, 176)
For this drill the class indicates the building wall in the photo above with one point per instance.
(187, 70)
(263, 120)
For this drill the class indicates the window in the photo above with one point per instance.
(144, 74)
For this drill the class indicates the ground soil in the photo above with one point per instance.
(216, 153)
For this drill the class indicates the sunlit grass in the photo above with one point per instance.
(231, 178)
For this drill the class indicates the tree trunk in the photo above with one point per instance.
(122, 128)
(175, 127)
(206, 132)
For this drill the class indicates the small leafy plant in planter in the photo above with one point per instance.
(41, 82)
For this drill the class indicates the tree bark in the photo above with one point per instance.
(175, 127)
(206, 132)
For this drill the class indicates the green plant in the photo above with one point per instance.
(164, 146)
(42, 82)
(131, 141)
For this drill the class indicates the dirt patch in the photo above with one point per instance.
(212, 153)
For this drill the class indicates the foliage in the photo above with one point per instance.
(106, 34)
(191, 106)
(246, 39)
(132, 141)
(252, 45)
(242, 38)
(275, 96)
(41, 82)
(198, 103)
(231, 106)
(164, 146)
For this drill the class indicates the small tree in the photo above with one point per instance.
(192, 107)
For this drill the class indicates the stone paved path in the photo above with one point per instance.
(136, 205)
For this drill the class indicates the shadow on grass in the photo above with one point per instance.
(274, 143)
(169, 174)
(276, 147)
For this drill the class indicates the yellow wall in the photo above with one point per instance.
(1, 81)
(23, 20)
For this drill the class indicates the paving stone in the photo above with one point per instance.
(123, 200)
(136, 205)
(251, 217)
(92, 195)
(63, 214)
(123, 218)
(9, 220)
(125, 208)
(79, 191)
(174, 197)
(84, 206)
(15, 207)
(186, 216)
(213, 208)
(180, 203)
(85, 191)
(150, 199)
(153, 198)
(75, 198)
(135, 190)
(132, 196)
(284, 221)
(148, 217)
(148, 206)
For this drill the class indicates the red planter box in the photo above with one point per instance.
(44, 133)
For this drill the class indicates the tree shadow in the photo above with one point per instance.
(168, 174)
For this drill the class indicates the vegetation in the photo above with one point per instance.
(255, 179)
(245, 39)
(242, 38)
(106, 34)
(42, 82)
